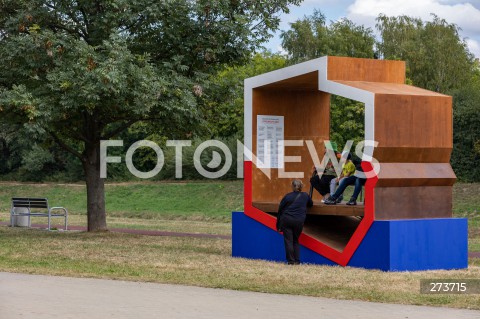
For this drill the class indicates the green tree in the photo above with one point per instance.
(222, 103)
(311, 37)
(84, 71)
(466, 134)
(10, 148)
(347, 120)
(306, 39)
(437, 58)
(466, 128)
(25, 157)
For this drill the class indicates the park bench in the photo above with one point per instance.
(36, 207)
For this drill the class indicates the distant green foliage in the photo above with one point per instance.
(30, 158)
(466, 129)
(189, 170)
(311, 37)
(477, 147)
(347, 121)
(437, 58)
(145, 159)
(222, 103)
(10, 149)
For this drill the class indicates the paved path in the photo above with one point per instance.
(44, 297)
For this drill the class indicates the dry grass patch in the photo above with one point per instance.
(207, 263)
(214, 227)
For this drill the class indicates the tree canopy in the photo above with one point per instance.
(311, 37)
(77, 72)
(437, 58)
(84, 71)
(222, 103)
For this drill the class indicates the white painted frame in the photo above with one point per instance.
(324, 85)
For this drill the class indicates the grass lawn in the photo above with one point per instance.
(208, 263)
(466, 203)
(186, 200)
(209, 204)
(202, 207)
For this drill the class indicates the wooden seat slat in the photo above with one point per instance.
(318, 208)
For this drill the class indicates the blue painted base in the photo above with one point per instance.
(395, 245)
(253, 240)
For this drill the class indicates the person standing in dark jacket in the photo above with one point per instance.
(291, 216)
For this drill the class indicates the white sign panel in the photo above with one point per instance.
(270, 136)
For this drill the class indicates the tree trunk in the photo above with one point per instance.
(97, 218)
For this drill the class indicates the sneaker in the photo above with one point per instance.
(330, 201)
(326, 197)
(352, 202)
(339, 199)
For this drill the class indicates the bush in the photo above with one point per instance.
(466, 135)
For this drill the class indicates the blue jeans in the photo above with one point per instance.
(346, 181)
(359, 182)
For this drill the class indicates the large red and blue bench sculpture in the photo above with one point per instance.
(406, 220)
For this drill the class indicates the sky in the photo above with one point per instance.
(465, 14)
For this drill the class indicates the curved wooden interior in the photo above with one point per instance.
(332, 230)
(413, 128)
(307, 117)
(317, 209)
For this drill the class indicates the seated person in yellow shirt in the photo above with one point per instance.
(346, 178)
